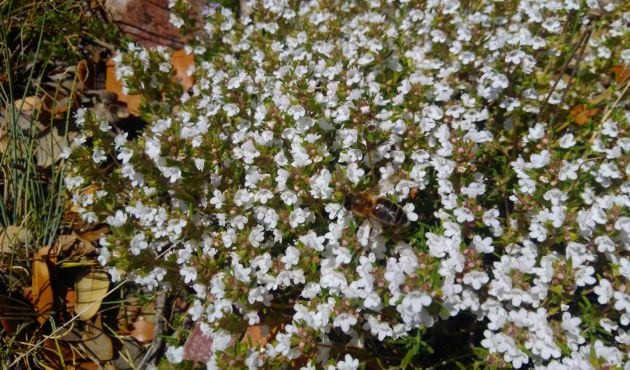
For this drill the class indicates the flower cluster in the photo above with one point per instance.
(459, 112)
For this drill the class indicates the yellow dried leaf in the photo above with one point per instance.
(13, 236)
(90, 288)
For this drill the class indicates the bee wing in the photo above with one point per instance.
(390, 213)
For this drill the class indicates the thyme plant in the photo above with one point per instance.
(463, 113)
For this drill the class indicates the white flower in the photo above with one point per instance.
(98, 155)
(297, 217)
(189, 273)
(348, 363)
(476, 279)
(118, 220)
(540, 160)
(482, 245)
(345, 321)
(231, 109)
(256, 236)
(354, 173)
(610, 128)
(175, 355)
(320, 182)
(604, 291)
(463, 215)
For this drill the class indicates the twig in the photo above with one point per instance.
(583, 40)
(156, 344)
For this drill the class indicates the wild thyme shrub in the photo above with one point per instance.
(459, 112)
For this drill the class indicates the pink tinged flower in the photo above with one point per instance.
(604, 291)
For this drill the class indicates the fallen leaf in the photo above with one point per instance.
(70, 299)
(13, 236)
(182, 62)
(49, 146)
(97, 342)
(94, 234)
(90, 288)
(622, 73)
(143, 330)
(258, 335)
(114, 85)
(28, 104)
(41, 290)
(580, 114)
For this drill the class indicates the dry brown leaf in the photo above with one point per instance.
(54, 351)
(90, 288)
(93, 235)
(114, 85)
(42, 292)
(181, 63)
(580, 114)
(143, 330)
(257, 335)
(622, 73)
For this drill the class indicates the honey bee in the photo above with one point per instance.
(378, 208)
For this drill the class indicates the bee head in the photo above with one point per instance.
(347, 201)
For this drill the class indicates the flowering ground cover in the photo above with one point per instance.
(498, 128)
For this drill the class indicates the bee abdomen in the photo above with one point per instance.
(389, 212)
